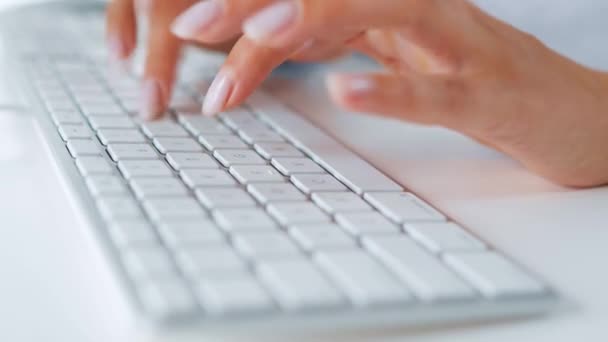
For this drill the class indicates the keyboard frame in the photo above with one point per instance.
(417, 314)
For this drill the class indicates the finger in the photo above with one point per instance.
(162, 55)
(429, 100)
(247, 65)
(212, 21)
(121, 29)
(315, 50)
(431, 24)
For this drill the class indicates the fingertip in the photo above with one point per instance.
(152, 100)
(347, 90)
(118, 50)
(219, 92)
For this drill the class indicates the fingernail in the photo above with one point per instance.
(197, 18)
(151, 99)
(271, 20)
(117, 49)
(143, 6)
(307, 45)
(350, 85)
(218, 94)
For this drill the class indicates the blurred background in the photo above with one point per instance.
(576, 28)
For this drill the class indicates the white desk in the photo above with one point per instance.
(57, 288)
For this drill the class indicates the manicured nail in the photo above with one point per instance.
(198, 18)
(307, 45)
(151, 99)
(218, 94)
(354, 85)
(271, 20)
(143, 6)
(117, 49)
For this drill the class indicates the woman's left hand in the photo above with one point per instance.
(450, 64)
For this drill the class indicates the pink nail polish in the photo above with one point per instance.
(197, 18)
(350, 86)
(151, 99)
(218, 94)
(271, 20)
(359, 85)
(117, 49)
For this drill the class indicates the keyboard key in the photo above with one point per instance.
(184, 103)
(289, 166)
(238, 157)
(93, 165)
(275, 192)
(424, 273)
(148, 262)
(334, 202)
(164, 128)
(346, 166)
(206, 178)
(60, 104)
(215, 198)
(493, 274)
(83, 147)
(444, 237)
(297, 213)
(148, 187)
(210, 260)
(131, 151)
(166, 145)
(69, 132)
(112, 136)
(98, 122)
(178, 234)
(257, 134)
(273, 244)
(238, 118)
(299, 285)
(256, 174)
(403, 207)
(201, 125)
(131, 233)
(313, 183)
(100, 185)
(270, 150)
(168, 209)
(366, 223)
(101, 109)
(143, 168)
(233, 296)
(322, 236)
(253, 219)
(364, 280)
(185, 160)
(115, 208)
(167, 299)
(213, 142)
(69, 117)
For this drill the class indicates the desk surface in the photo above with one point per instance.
(56, 287)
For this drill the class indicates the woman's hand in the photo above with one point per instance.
(164, 48)
(450, 65)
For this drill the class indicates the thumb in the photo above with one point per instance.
(424, 99)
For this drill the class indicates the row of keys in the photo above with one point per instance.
(361, 254)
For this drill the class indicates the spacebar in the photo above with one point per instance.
(345, 165)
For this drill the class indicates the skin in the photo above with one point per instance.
(447, 63)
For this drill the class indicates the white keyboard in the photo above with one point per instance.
(256, 214)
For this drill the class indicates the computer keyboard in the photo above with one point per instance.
(256, 214)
